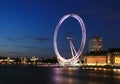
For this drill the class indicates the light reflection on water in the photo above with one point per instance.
(58, 75)
(116, 70)
(64, 75)
(86, 76)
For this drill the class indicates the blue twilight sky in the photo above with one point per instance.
(27, 26)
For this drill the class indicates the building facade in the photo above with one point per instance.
(109, 57)
(95, 44)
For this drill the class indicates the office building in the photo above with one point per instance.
(95, 44)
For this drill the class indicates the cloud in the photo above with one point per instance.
(11, 39)
(112, 17)
(41, 39)
(30, 47)
(15, 38)
(14, 52)
(18, 38)
(28, 36)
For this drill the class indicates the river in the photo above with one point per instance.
(58, 75)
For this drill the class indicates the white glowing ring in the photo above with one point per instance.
(82, 42)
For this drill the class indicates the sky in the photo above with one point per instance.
(27, 26)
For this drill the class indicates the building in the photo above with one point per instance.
(108, 57)
(114, 56)
(6, 60)
(95, 44)
(96, 58)
(34, 60)
(24, 60)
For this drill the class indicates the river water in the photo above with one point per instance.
(57, 75)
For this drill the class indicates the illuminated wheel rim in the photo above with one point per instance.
(82, 42)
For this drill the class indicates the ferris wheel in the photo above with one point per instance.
(75, 55)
